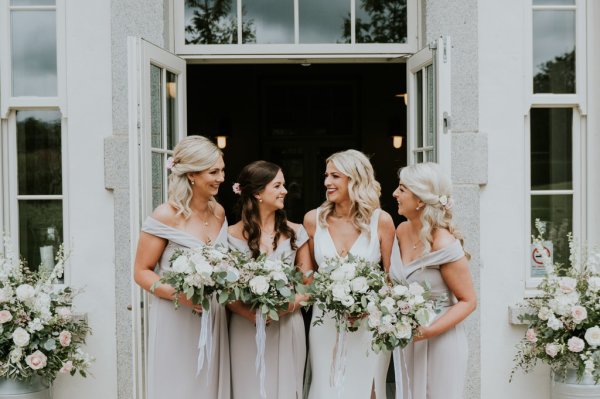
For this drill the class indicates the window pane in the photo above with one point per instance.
(40, 231)
(381, 21)
(157, 180)
(557, 212)
(430, 156)
(33, 42)
(419, 105)
(419, 157)
(156, 106)
(324, 21)
(551, 149)
(554, 51)
(268, 21)
(210, 21)
(430, 139)
(553, 2)
(171, 110)
(32, 2)
(39, 152)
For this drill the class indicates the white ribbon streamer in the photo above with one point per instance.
(205, 341)
(338, 366)
(261, 337)
(398, 374)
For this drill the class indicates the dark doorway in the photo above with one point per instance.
(296, 116)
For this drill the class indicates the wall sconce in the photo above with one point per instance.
(172, 89)
(405, 96)
(397, 141)
(221, 141)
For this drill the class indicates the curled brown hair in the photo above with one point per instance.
(253, 179)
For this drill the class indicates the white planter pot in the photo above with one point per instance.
(31, 389)
(567, 387)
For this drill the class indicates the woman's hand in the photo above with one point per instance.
(186, 302)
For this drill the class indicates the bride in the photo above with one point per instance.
(348, 222)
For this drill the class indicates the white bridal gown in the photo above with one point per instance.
(364, 369)
(173, 334)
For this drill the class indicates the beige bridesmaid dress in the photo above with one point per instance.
(434, 368)
(173, 334)
(285, 345)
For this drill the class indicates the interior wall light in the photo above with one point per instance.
(397, 141)
(221, 141)
(172, 89)
(405, 96)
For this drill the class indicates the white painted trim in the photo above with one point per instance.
(5, 68)
(443, 109)
(581, 55)
(414, 64)
(283, 51)
(352, 22)
(4, 199)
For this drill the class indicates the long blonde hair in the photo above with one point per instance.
(434, 189)
(363, 189)
(191, 154)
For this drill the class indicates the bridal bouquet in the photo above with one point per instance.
(266, 285)
(343, 286)
(564, 320)
(396, 312)
(39, 335)
(198, 273)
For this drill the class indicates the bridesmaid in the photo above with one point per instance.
(431, 249)
(264, 229)
(190, 218)
(348, 222)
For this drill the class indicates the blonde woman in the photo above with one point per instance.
(348, 222)
(190, 218)
(431, 249)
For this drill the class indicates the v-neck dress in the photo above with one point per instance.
(436, 368)
(364, 368)
(173, 334)
(285, 344)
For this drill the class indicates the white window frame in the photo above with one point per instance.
(141, 55)
(578, 103)
(296, 49)
(437, 54)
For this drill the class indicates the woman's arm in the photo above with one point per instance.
(386, 231)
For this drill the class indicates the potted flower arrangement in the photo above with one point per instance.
(39, 335)
(564, 323)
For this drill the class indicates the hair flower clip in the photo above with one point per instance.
(236, 188)
(170, 163)
(446, 201)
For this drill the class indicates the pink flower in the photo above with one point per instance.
(236, 188)
(575, 344)
(66, 368)
(552, 350)
(37, 360)
(64, 338)
(530, 335)
(170, 163)
(579, 314)
(5, 316)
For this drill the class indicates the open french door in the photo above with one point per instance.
(157, 121)
(428, 77)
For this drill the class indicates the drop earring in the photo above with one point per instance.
(192, 182)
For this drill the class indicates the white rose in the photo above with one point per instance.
(5, 316)
(35, 325)
(337, 275)
(389, 304)
(259, 285)
(349, 270)
(403, 331)
(424, 316)
(592, 336)
(25, 292)
(348, 301)
(42, 303)
(359, 284)
(64, 313)
(544, 313)
(579, 314)
(385, 290)
(272, 265)
(65, 338)
(20, 337)
(182, 265)
(389, 319)
(6, 294)
(37, 360)
(552, 349)
(279, 276)
(554, 323)
(340, 291)
(375, 319)
(399, 290)
(575, 344)
(404, 307)
(567, 284)
(594, 284)
(416, 289)
(417, 300)
(203, 268)
(562, 303)
(15, 355)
